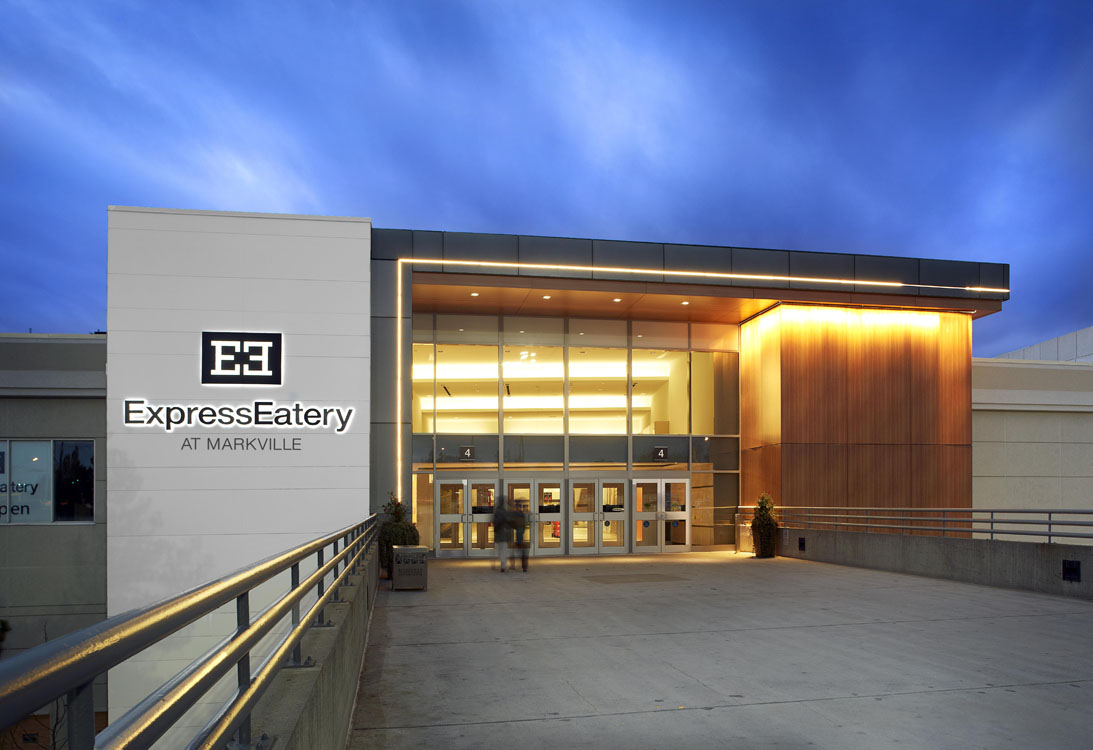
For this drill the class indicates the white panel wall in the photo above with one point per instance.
(177, 516)
(1032, 435)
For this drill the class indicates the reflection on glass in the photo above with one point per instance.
(421, 411)
(614, 533)
(550, 534)
(451, 536)
(451, 499)
(482, 535)
(645, 534)
(646, 496)
(583, 497)
(482, 498)
(520, 496)
(597, 391)
(466, 389)
(582, 534)
(550, 498)
(675, 533)
(73, 480)
(533, 386)
(421, 489)
(660, 392)
(675, 496)
(614, 497)
(715, 393)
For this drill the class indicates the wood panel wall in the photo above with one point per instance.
(866, 408)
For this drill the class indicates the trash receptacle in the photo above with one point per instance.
(409, 567)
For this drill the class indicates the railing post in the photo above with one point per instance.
(867, 520)
(1049, 527)
(293, 585)
(943, 524)
(319, 619)
(242, 669)
(80, 717)
(992, 525)
(337, 589)
(902, 522)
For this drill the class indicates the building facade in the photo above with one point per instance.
(269, 378)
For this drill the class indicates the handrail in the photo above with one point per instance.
(1047, 524)
(69, 664)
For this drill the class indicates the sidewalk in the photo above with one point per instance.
(720, 650)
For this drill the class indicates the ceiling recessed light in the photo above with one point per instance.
(521, 331)
(684, 302)
(581, 333)
(474, 294)
(639, 335)
(546, 296)
(460, 330)
(617, 299)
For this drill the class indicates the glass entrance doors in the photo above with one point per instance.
(541, 501)
(465, 517)
(662, 515)
(597, 517)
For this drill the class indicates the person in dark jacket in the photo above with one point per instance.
(501, 532)
(518, 520)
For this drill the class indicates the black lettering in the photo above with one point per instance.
(130, 412)
(171, 420)
(313, 417)
(212, 444)
(283, 416)
(296, 444)
(153, 415)
(262, 413)
(226, 415)
(207, 415)
(243, 416)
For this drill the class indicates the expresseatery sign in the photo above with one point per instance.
(234, 358)
(140, 413)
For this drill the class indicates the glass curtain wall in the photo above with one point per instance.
(643, 396)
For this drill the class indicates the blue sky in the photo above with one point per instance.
(933, 129)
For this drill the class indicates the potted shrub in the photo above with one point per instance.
(395, 529)
(764, 527)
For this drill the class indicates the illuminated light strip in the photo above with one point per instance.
(611, 269)
(694, 274)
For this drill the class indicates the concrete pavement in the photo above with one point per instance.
(721, 650)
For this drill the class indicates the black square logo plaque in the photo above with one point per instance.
(237, 358)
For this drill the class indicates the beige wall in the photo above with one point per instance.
(1032, 433)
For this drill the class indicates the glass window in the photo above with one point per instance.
(73, 480)
(30, 489)
(650, 334)
(422, 413)
(599, 333)
(534, 452)
(723, 337)
(422, 490)
(521, 331)
(597, 391)
(715, 393)
(468, 452)
(660, 392)
(466, 389)
(422, 327)
(534, 384)
(422, 452)
(595, 452)
(466, 329)
(661, 452)
(715, 453)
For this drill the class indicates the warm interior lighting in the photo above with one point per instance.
(546, 296)
(532, 403)
(474, 294)
(617, 299)
(684, 302)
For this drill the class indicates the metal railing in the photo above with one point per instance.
(1050, 524)
(67, 666)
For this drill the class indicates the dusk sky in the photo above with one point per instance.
(958, 130)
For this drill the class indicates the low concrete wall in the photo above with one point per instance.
(309, 708)
(1016, 565)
